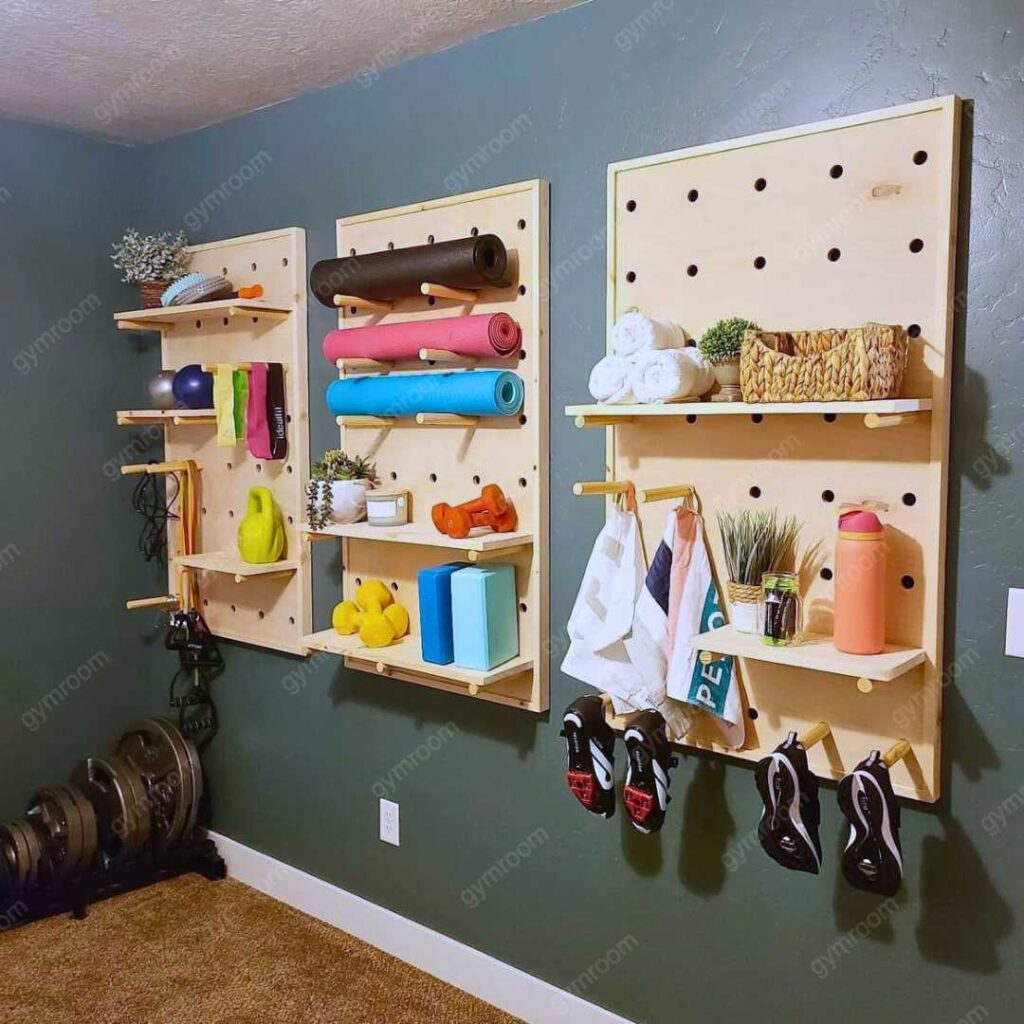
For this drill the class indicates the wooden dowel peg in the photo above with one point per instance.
(143, 325)
(865, 685)
(582, 422)
(255, 311)
(365, 421)
(896, 752)
(440, 291)
(483, 556)
(664, 493)
(363, 305)
(152, 468)
(815, 735)
(169, 601)
(363, 365)
(600, 487)
(212, 367)
(440, 355)
(707, 657)
(444, 419)
(180, 421)
(874, 420)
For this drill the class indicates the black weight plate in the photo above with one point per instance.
(56, 816)
(14, 851)
(166, 774)
(87, 813)
(39, 863)
(140, 817)
(196, 774)
(105, 790)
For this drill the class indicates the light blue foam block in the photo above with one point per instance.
(485, 623)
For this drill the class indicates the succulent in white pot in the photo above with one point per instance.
(336, 492)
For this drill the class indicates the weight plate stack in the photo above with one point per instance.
(57, 818)
(117, 793)
(22, 850)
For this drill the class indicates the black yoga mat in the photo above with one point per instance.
(476, 262)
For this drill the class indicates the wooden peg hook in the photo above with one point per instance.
(815, 735)
(440, 291)
(896, 752)
(363, 305)
(600, 487)
(665, 493)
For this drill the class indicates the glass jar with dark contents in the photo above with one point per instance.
(780, 613)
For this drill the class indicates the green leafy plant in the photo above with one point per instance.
(756, 543)
(722, 343)
(334, 467)
(150, 257)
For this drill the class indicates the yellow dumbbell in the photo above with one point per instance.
(374, 615)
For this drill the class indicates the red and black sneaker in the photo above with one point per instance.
(590, 750)
(649, 758)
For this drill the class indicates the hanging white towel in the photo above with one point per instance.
(609, 381)
(671, 374)
(634, 333)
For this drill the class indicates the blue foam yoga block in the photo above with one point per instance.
(485, 622)
(435, 591)
(470, 393)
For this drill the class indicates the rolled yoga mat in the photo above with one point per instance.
(475, 262)
(485, 336)
(471, 393)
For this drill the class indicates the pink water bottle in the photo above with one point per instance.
(859, 626)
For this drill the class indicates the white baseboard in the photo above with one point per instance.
(489, 979)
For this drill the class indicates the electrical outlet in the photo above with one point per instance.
(389, 822)
(1015, 623)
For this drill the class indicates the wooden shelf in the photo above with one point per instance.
(178, 417)
(815, 652)
(477, 543)
(608, 415)
(231, 564)
(405, 656)
(163, 318)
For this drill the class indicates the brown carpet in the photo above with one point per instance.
(189, 950)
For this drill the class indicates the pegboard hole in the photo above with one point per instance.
(199, 323)
(284, 261)
(522, 354)
(476, 480)
(760, 185)
(394, 475)
(433, 478)
(291, 521)
(914, 331)
(631, 276)
(259, 467)
(836, 171)
(691, 418)
(522, 224)
(522, 289)
(693, 195)
(522, 607)
(691, 270)
(229, 466)
(262, 614)
(252, 266)
(907, 582)
(391, 245)
(755, 491)
(225, 321)
(833, 255)
(223, 271)
(289, 469)
(759, 262)
(916, 245)
(206, 602)
(522, 481)
(394, 587)
(233, 608)
(631, 205)
(828, 496)
(474, 232)
(757, 418)
(910, 499)
(231, 513)
(204, 511)
(752, 714)
(351, 252)
(522, 419)
(359, 581)
(826, 573)
(430, 239)
(353, 310)
(920, 157)
(431, 300)
(829, 417)
(291, 620)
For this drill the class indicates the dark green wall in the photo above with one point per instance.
(702, 925)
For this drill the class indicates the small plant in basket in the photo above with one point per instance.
(337, 488)
(151, 261)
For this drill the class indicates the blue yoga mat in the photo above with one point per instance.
(470, 393)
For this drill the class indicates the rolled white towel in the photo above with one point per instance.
(635, 333)
(671, 374)
(609, 381)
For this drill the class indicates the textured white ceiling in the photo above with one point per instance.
(140, 70)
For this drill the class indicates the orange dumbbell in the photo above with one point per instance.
(491, 509)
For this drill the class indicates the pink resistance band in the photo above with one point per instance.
(257, 428)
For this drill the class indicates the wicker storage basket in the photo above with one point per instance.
(855, 364)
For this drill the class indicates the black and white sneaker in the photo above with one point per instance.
(649, 758)
(873, 859)
(590, 751)
(790, 820)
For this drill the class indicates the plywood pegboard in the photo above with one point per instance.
(273, 610)
(450, 463)
(825, 225)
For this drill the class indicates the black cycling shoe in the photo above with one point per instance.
(789, 823)
(590, 749)
(649, 758)
(873, 858)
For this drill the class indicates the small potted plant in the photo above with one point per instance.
(152, 262)
(721, 346)
(755, 543)
(337, 488)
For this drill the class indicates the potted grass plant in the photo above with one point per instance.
(721, 346)
(153, 262)
(336, 492)
(755, 543)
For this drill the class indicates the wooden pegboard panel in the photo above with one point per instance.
(809, 227)
(266, 612)
(436, 463)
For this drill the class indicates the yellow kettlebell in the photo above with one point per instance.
(261, 532)
(374, 615)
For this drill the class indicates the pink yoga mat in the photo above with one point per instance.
(484, 336)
